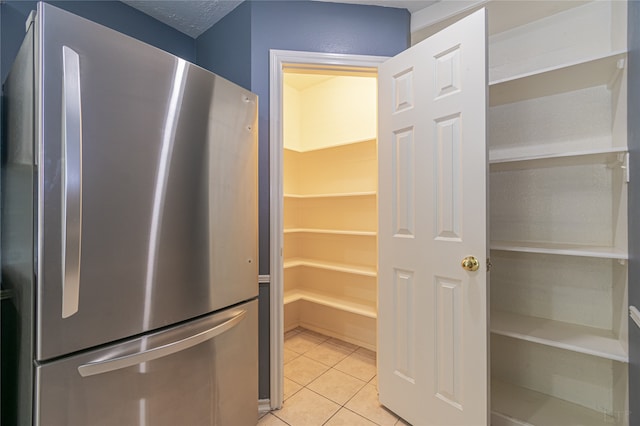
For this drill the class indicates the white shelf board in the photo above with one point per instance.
(333, 195)
(368, 271)
(506, 15)
(590, 72)
(499, 160)
(513, 405)
(501, 16)
(330, 146)
(560, 249)
(341, 303)
(329, 232)
(572, 337)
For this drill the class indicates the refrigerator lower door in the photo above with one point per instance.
(203, 372)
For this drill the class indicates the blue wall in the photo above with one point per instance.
(634, 206)
(229, 39)
(291, 25)
(315, 27)
(113, 14)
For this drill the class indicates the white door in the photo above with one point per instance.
(432, 313)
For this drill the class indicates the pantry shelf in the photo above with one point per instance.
(588, 72)
(516, 406)
(333, 195)
(572, 337)
(342, 303)
(333, 266)
(499, 161)
(561, 249)
(329, 232)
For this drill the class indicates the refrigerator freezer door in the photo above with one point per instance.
(146, 188)
(201, 373)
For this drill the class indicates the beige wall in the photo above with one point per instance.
(335, 111)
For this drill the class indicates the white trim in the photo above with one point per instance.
(276, 197)
(441, 11)
(264, 405)
(278, 60)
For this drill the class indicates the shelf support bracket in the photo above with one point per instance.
(620, 64)
(622, 161)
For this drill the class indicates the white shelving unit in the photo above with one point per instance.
(558, 177)
(330, 222)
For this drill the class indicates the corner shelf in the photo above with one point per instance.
(333, 195)
(340, 303)
(368, 271)
(572, 337)
(334, 146)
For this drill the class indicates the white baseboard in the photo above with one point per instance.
(264, 405)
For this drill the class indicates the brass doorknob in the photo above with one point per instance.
(470, 263)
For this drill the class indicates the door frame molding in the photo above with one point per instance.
(279, 61)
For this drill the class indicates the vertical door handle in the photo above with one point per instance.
(71, 181)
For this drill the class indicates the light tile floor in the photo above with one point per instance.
(328, 382)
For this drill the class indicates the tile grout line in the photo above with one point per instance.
(340, 406)
(352, 350)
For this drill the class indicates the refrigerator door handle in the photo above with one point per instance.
(112, 364)
(71, 181)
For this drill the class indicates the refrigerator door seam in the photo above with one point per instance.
(112, 364)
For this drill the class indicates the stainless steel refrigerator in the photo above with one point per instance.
(129, 232)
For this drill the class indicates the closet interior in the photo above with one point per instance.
(330, 213)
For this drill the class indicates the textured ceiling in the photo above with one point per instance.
(410, 5)
(193, 17)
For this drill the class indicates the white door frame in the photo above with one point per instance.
(279, 61)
